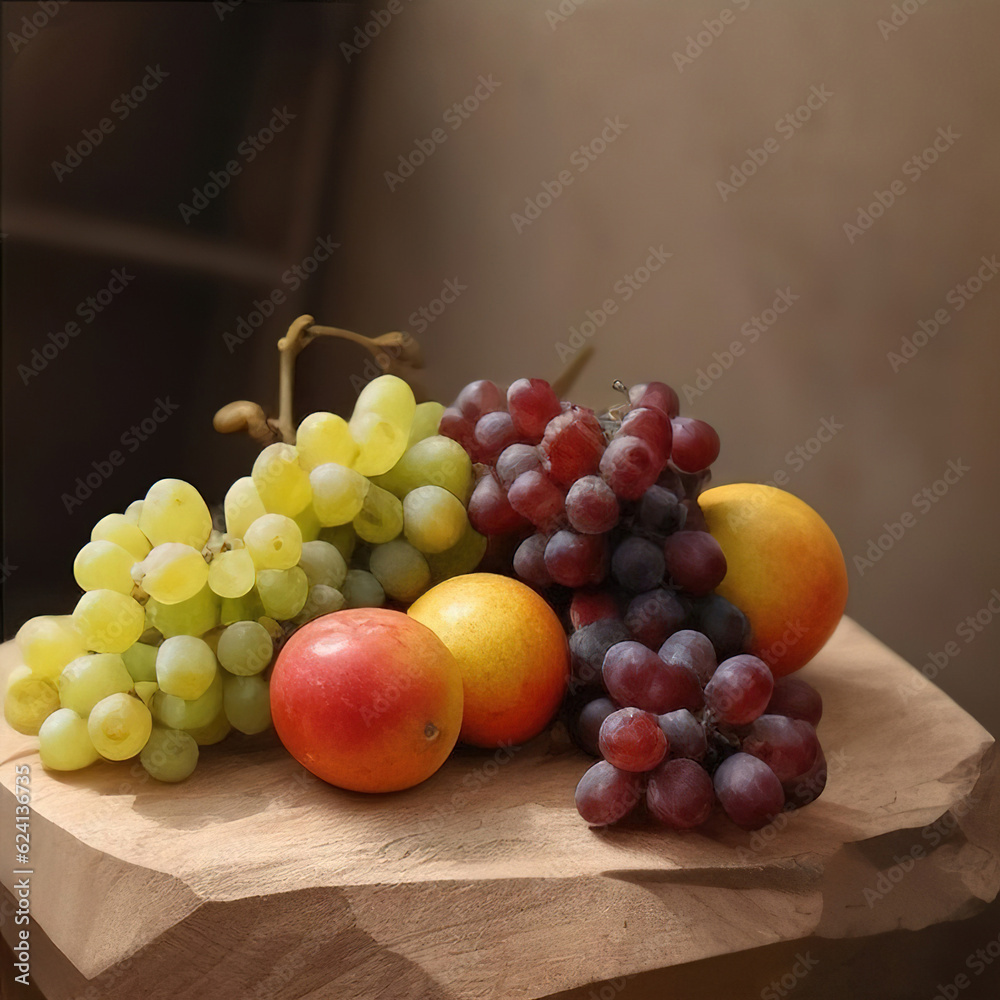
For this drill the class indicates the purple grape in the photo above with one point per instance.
(724, 624)
(685, 734)
(638, 564)
(806, 788)
(797, 699)
(653, 616)
(789, 747)
(632, 740)
(634, 675)
(660, 512)
(749, 791)
(606, 794)
(588, 647)
(680, 794)
(695, 561)
(489, 510)
(587, 725)
(576, 560)
(529, 561)
(693, 650)
(591, 506)
(739, 689)
(534, 496)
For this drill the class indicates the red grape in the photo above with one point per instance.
(805, 788)
(652, 616)
(532, 403)
(653, 426)
(788, 746)
(685, 734)
(630, 466)
(572, 445)
(634, 675)
(515, 459)
(749, 791)
(695, 519)
(591, 506)
(657, 394)
(478, 398)
(576, 560)
(456, 427)
(489, 510)
(606, 794)
(589, 605)
(692, 649)
(694, 561)
(494, 431)
(529, 561)
(797, 699)
(536, 497)
(679, 793)
(632, 740)
(695, 444)
(739, 689)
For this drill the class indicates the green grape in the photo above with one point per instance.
(338, 493)
(169, 754)
(47, 643)
(108, 621)
(325, 437)
(362, 590)
(145, 690)
(381, 424)
(242, 506)
(119, 529)
(282, 484)
(323, 563)
(29, 700)
(426, 418)
(343, 538)
(140, 661)
(462, 557)
(434, 461)
(322, 600)
(215, 732)
(133, 512)
(433, 518)
(195, 616)
(174, 511)
(88, 679)
(401, 569)
(274, 542)
(104, 566)
(119, 726)
(245, 648)
(309, 523)
(232, 573)
(381, 517)
(172, 572)
(249, 607)
(64, 743)
(176, 713)
(247, 703)
(283, 592)
(185, 666)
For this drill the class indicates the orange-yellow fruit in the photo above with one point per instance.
(510, 648)
(367, 699)
(786, 572)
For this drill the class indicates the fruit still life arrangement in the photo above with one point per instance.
(382, 587)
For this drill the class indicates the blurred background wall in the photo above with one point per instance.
(789, 211)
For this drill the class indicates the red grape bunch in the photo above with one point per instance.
(600, 513)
